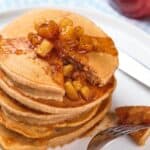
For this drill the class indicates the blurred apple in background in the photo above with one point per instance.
(133, 8)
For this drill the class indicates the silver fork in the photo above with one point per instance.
(103, 137)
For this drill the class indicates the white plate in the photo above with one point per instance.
(129, 91)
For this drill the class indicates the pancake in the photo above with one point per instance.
(32, 73)
(36, 131)
(10, 140)
(31, 131)
(59, 120)
(48, 108)
(80, 119)
(24, 114)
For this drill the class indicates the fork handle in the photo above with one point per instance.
(99, 141)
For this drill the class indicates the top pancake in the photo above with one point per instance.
(25, 24)
(32, 73)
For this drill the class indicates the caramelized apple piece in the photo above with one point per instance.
(67, 33)
(134, 114)
(71, 91)
(77, 85)
(48, 30)
(67, 70)
(66, 29)
(85, 92)
(34, 39)
(44, 48)
(141, 137)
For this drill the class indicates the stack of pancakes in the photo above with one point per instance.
(34, 112)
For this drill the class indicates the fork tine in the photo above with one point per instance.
(123, 129)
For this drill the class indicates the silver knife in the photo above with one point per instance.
(134, 69)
